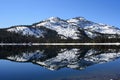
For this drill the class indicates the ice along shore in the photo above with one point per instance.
(59, 44)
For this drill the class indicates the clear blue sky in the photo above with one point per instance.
(16, 12)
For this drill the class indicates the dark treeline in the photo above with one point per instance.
(107, 38)
(11, 37)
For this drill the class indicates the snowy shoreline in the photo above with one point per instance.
(59, 44)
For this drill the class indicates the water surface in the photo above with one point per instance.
(59, 63)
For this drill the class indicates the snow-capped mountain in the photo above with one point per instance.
(92, 26)
(62, 27)
(75, 28)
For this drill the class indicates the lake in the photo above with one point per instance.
(60, 62)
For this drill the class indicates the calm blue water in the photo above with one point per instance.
(28, 70)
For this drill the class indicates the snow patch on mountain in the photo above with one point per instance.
(102, 28)
(60, 26)
(90, 27)
(80, 21)
(27, 31)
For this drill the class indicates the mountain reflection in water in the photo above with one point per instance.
(57, 57)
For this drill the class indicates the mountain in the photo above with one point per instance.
(62, 27)
(91, 27)
(77, 28)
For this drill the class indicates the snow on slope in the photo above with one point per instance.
(67, 28)
(27, 31)
(80, 21)
(60, 26)
(102, 28)
(95, 27)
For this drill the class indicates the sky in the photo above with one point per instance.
(26, 12)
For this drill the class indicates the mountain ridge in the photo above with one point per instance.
(77, 28)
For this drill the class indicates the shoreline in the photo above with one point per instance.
(37, 44)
